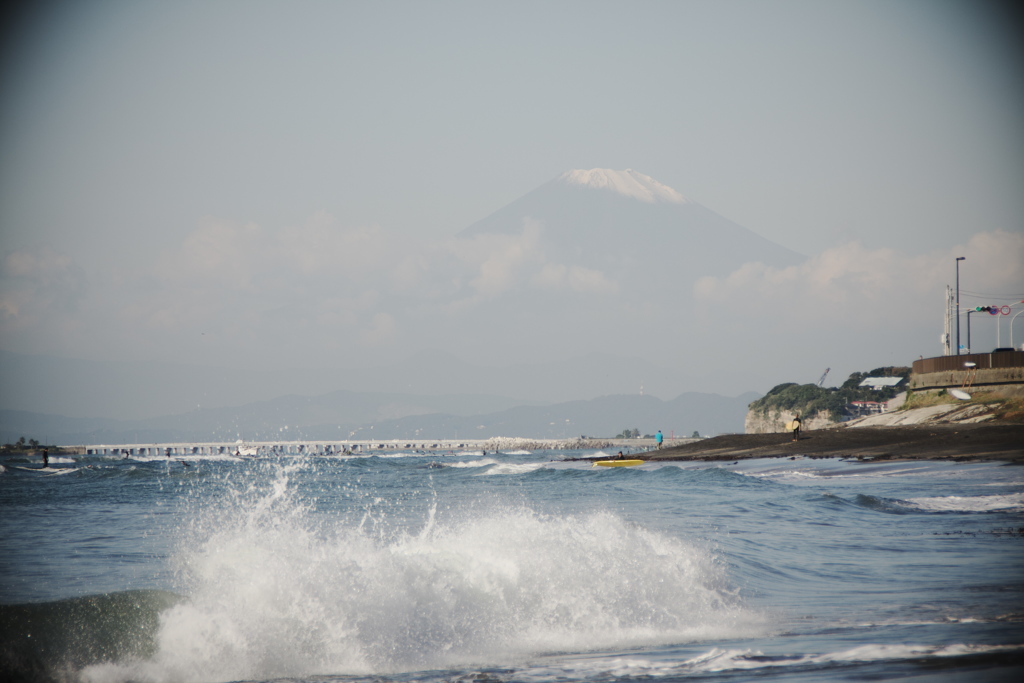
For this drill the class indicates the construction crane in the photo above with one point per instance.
(823, 376)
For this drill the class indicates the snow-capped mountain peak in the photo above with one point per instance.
(628, 183)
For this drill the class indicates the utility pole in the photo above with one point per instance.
(958, 260)
(969, 311)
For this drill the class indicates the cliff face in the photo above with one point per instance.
(773, 420)
(818, 406)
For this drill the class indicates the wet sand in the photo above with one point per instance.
(957, 442)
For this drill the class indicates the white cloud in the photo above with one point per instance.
(501, 262)
(316, 277)
(222, 267)
(249, 257)
(857, 287)
(505, 263)
(381, 331)
(39, 284)
(317, 270)
(576, 278)
(220, 252)
(318, 289)
(321, 247)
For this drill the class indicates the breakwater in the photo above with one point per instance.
(364, 447)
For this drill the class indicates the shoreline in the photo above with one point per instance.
(956, 441)
(950, 442)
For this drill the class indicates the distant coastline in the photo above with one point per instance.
(991, 441)
(953, 442)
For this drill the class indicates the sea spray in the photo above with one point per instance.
(274, 590)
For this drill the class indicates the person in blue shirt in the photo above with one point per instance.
(659, 438)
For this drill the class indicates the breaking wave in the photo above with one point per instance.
(273, 593)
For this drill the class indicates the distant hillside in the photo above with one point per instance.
(601, 417)
(351, 415)
(285, 417)
(431, 379)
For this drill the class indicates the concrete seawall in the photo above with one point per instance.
(1005, 378)
(1004, 370)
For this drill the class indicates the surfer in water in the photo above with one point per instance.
(46, 458)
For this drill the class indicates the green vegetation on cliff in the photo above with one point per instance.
(810, 399)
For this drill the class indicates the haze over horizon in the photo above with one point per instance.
(294, 190)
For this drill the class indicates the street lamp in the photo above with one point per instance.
(958, 260)
(1011, 324)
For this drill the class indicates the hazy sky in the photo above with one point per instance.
(159, 159)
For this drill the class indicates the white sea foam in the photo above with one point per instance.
(275, 595)
(1011, 501)
(603, 454)
(719, 660)
(724, 660)
(483, 462)
(213, 457)
(494, 466)
(514, 468)
(791, 470)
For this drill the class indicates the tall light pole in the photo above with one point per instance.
(1011, 324)
(958, 260)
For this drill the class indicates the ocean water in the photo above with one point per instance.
(510, 567)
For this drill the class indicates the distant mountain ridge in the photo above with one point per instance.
(344, 415)
(138, 391)
(605, 416)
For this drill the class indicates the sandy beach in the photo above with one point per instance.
(958, 442)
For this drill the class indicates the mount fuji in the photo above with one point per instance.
(627, 223)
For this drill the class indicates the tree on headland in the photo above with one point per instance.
(695, 435)
(23, 445)
(809, 400)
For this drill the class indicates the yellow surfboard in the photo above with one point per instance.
(791, 425)
(618, 463)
